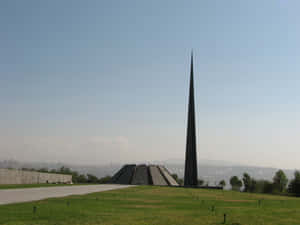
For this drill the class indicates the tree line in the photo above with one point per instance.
(76, 177)
(279, 185)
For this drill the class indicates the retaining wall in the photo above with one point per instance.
(12, 176)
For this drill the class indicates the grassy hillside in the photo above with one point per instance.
(146, 205)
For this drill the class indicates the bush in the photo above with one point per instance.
(92, 179)
(235, 183)
(249, 183)
(201, 182)
(178, 180)
(222, 183)
(104, 180)
(294, 186)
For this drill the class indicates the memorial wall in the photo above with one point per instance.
(14, 176)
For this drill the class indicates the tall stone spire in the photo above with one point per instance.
(190, 172)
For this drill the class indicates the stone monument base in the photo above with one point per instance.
(144, 175)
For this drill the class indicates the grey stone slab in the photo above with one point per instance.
(157, 178)
(167, 176)
(14, 176)
(123, 170)
(126, 176)
(141, 176)
(33, 194)
(117, 175)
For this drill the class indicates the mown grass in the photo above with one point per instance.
(13, 186)
(146, 205)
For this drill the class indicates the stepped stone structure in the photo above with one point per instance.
(144, 175)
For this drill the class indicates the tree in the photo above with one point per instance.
(105, 180)
(75, 176)
(201, 182)
(92, 178)
(268, 187)
(53, 171)
(43, 170)
(81, 179)
(261, 186)
(64, 170)
(235, 183)
(178, 180)
(175, 176)
(294, 186)
(222, 183)
(280, 181)
(249, 183)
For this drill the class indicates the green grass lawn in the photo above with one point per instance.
(13, 186)
(149, 205)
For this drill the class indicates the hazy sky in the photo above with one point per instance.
(96, 82)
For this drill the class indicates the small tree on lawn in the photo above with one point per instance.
(294, 186)
(222, 183)
(280, 181)
(235, 183)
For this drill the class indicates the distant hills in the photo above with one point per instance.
(208, 170)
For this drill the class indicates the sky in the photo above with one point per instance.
(98, 82)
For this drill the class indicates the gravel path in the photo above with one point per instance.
(32, 194)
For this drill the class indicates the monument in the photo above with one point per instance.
(190, 172)
(159, 175)
(144, 175)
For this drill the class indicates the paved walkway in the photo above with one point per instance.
(32, 194)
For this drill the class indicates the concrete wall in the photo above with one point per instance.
(12, 176)
(141, 175)
(124, 176)
(168, 176)
(157, 178)
(144, 175)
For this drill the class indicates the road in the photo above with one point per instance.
(32, 194)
